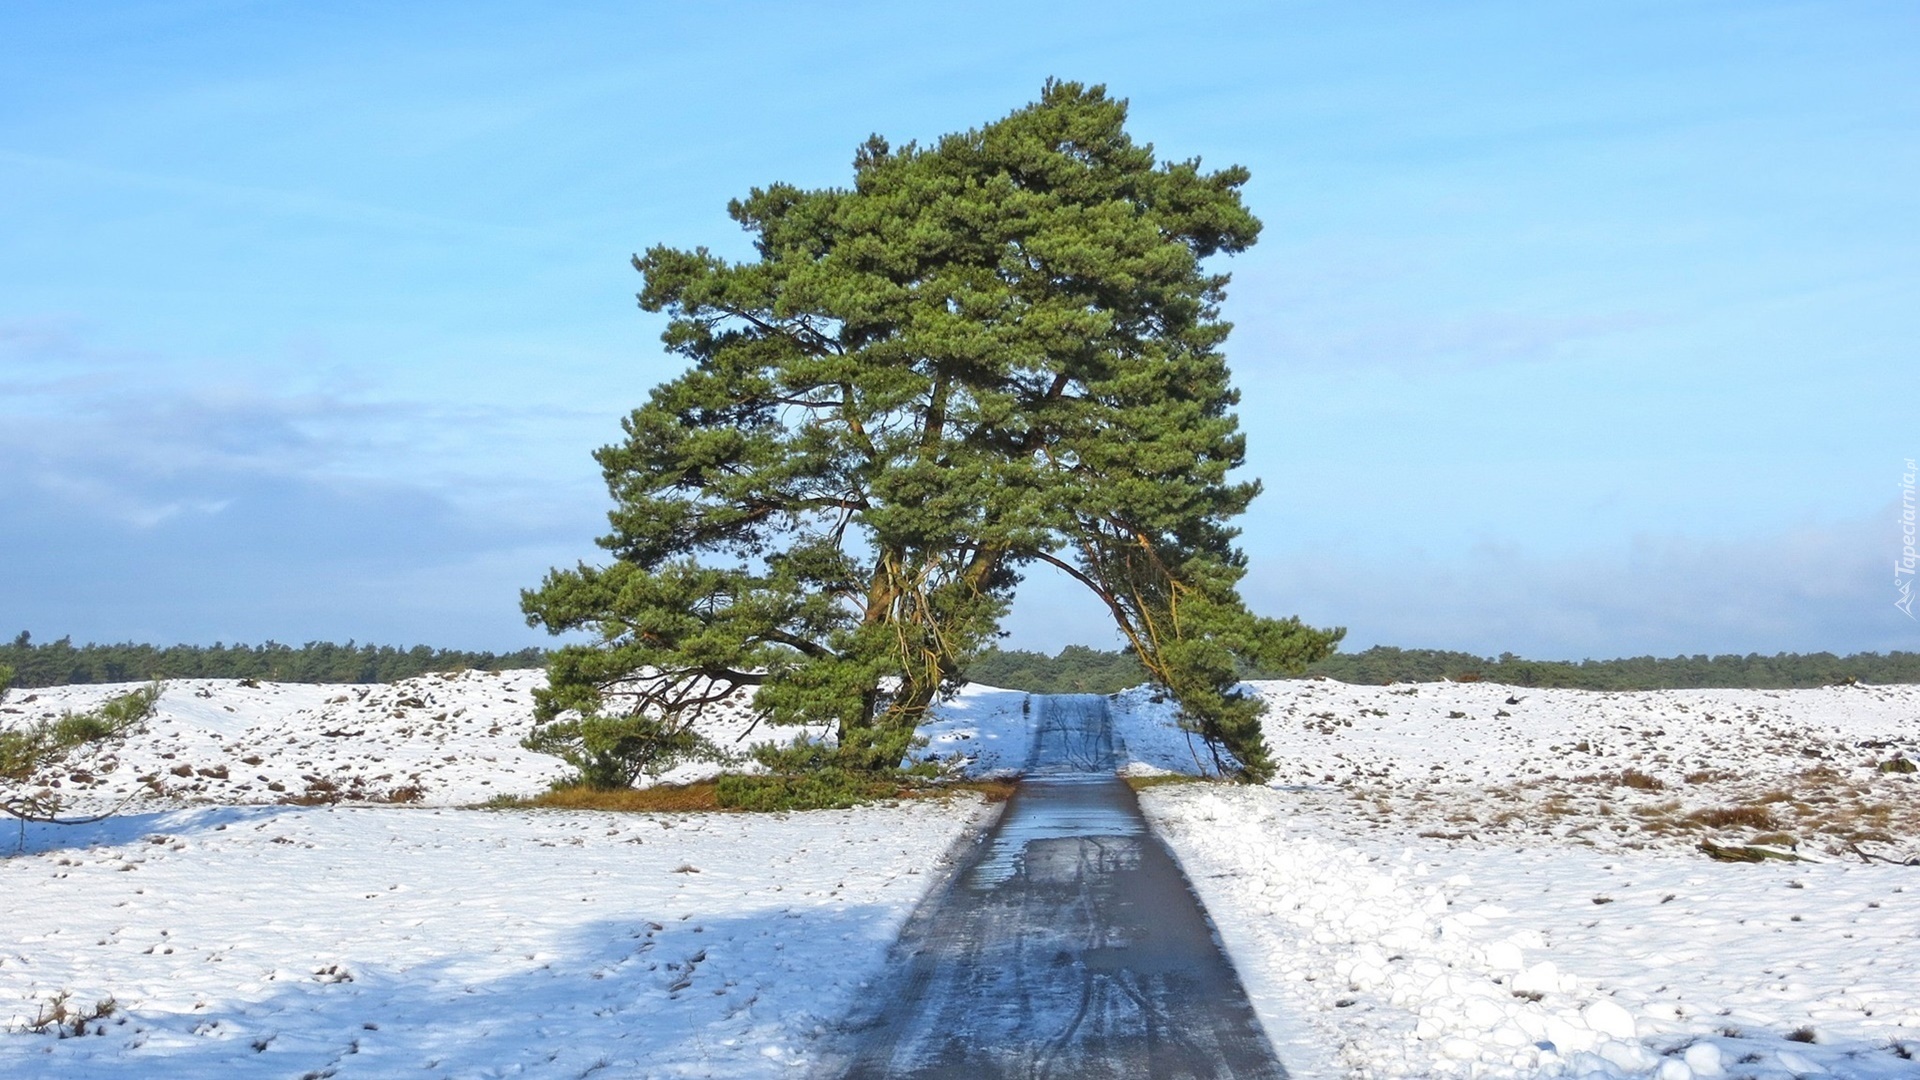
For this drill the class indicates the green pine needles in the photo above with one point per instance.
(998, 350)
(30, 750)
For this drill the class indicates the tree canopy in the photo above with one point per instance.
(997, 350)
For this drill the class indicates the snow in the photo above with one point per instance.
(1421, 894)
(437, 740)
(983, 731)
(243, 938)
(281, 941)
(1499, 762)
(988, 732)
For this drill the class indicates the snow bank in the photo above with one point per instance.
(334, 941)
(436, 740)
(240, 935)
(1819, 770)
(1447, 880)
(983, 731)
(1660, 769)
(988, 732)
(1437, 959)
(1484, 880)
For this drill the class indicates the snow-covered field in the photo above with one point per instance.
(1664, 769)
(437, 740)
(374, 942)
(1449, 880)
(1413, 957)
(1446, 880)
(242, 936)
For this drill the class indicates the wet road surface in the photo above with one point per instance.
(1069, 946)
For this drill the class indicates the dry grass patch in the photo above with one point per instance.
(1639, 781)
(1825, 806)
(702, 795)
(1142, 783)
(1735, 817)
(57, 1016)
(991, 790)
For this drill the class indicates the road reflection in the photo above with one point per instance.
(1071, 946)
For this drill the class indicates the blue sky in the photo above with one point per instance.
(1577, 329)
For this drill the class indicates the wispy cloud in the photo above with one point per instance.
(1810, 588)
(142, 437)
(152, 497)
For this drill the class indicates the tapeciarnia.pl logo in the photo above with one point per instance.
(1903, 567)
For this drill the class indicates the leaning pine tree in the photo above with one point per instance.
(995, 351)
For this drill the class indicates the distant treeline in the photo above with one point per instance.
(1078, 669)
(1384, 664)
(62, 662)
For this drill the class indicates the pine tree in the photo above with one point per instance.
(996, 350)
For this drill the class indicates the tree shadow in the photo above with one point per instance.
(743, 995)
(39, 838)
(987, 726)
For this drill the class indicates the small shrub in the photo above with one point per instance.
(826, 789)
(1802, 1035)
(1898, 765)
(704, 796)
(57, 1017)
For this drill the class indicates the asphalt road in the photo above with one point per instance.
(1069, 944)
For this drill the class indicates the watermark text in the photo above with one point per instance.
(1903, 567)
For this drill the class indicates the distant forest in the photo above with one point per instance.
(1076, 669)
(62, 662)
